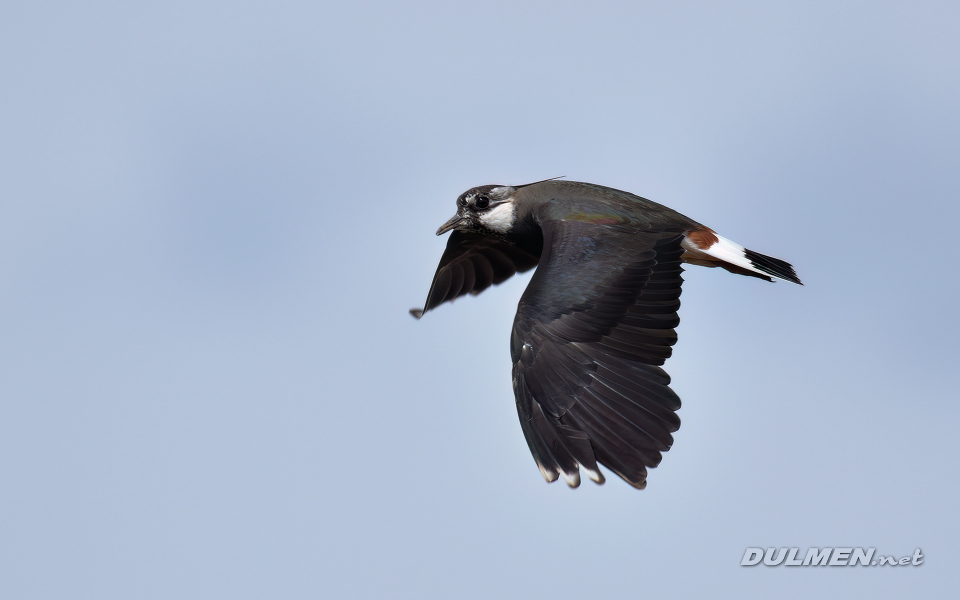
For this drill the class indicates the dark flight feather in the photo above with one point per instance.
(573, 382)
(471, 263)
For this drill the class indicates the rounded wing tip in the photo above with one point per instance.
(595, 476)
(572, 479)
(416, 312)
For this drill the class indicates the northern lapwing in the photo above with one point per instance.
(598, 317)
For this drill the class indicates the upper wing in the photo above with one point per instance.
(593, 325)
(471, 263)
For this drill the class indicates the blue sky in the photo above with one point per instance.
(214, 217)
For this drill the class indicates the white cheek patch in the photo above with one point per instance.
(499, 218)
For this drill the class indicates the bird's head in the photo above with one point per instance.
(486, 209)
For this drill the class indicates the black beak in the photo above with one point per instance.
(453, 223)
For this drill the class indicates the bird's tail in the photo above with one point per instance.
(704, 247)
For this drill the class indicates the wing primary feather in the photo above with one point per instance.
(473, 262)
(608, 448)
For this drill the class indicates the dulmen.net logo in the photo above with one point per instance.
(826, 557)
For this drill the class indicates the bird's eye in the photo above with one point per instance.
(482, 202)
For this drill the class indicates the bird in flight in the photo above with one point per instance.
(597, 319)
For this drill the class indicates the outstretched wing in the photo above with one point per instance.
(592, 328)
(473, 262)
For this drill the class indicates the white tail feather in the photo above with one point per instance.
(726, 250)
